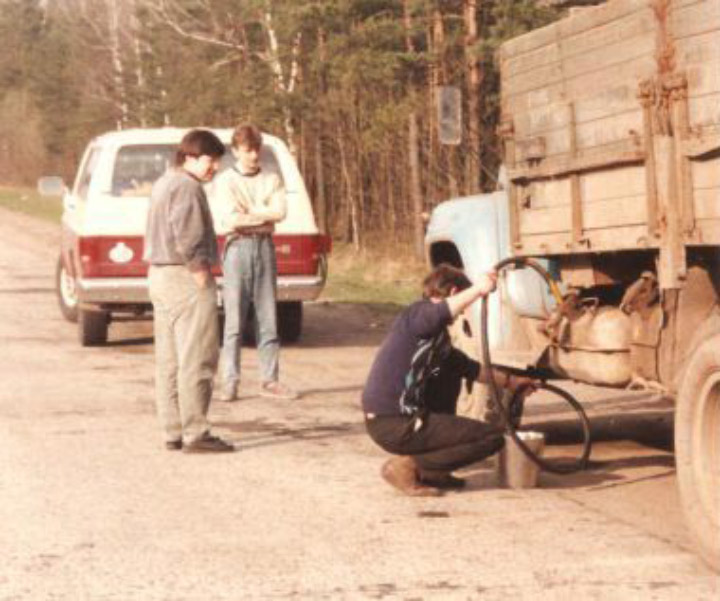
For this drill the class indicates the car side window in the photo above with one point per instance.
(83, 182)
(137, 167)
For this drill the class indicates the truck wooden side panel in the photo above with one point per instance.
(611, 120)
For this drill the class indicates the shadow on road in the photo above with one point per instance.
(260, 433)
(652, 428)
(139, 341)
(346, 324)
(334, 390)
(325, 325)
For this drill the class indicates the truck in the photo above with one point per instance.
(610, 123)
(101, 276)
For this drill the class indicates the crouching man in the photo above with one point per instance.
(410, 396)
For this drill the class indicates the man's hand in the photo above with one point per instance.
(460, 301)
(513, 382)
(486, 283)
(523, 383)
(203, 278)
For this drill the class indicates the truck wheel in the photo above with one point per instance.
(290, 315)
(66, 291)
(697, 448)
(92, 327)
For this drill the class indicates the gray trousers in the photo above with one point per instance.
(186, 350)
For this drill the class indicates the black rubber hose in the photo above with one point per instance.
(505, 413)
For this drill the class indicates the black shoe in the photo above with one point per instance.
(208, 444)
(444, 482)
(173, 445)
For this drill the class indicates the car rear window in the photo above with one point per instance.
(268, 160)
(138, 166)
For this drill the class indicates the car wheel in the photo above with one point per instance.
(290, 315)
(697, 448)
(92, 327)
(66, 291)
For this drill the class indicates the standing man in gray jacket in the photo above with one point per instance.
(181, 247)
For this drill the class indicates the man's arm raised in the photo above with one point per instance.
(460, 301)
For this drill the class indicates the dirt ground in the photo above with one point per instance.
(94, 508)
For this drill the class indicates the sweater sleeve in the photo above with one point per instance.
(275, 209)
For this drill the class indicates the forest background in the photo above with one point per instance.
(351, 85)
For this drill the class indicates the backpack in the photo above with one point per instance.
(424, 365)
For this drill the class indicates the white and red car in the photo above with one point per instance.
(101, 276)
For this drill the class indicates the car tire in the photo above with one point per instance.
(66, 291)
(92, 327)
(290, 317)
(697, 448)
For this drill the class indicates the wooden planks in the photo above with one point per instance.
(582, 141)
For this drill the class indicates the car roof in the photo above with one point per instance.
(165, 135)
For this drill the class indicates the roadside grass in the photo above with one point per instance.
(28, 201)
(386, 280)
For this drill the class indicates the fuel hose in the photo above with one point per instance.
(511, 414)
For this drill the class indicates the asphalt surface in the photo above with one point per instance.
(93, 507)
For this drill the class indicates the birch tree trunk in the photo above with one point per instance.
(320, 200)
(474, 83)
(140, 79)
(117, 63)
(285, 85)
(414, 154)
(415, 187)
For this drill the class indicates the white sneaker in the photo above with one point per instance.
(276, 390)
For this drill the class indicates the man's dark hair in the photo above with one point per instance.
(440, 281)
(247, 135)
(199, 142)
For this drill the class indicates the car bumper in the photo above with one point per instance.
(134, 291)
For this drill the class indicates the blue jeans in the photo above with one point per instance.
(250, 277)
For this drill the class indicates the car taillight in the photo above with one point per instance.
(88, 253)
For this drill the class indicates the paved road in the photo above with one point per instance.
(92, 507)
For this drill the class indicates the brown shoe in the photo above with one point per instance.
(208, 444)
(173, 445)
(400, 473)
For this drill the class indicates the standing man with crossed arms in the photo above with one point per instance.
(250, 202)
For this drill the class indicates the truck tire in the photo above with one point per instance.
(92, 327)
(66, 291)
(697, 448)
(290, 316)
